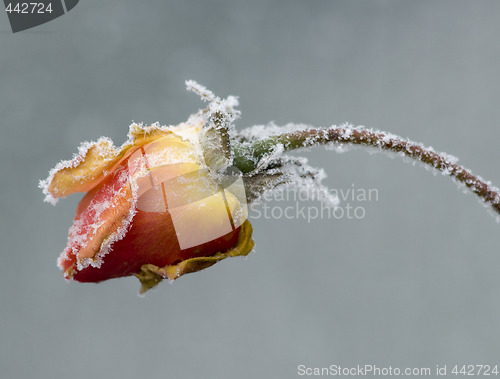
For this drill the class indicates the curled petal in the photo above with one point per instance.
(94, 161)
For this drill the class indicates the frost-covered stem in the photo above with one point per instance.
(222, 128)
(376, 139)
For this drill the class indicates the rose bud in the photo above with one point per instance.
(153, 208)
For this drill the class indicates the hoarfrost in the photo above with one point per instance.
(294, 173)
(216, 106)
(103, 144)
(88, 224)
(258, 132)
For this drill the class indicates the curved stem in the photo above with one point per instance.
(385, 141)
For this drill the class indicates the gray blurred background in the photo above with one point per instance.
(413, 284)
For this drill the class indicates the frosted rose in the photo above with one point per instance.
(151, 209)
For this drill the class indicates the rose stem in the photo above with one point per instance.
(368, 138)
